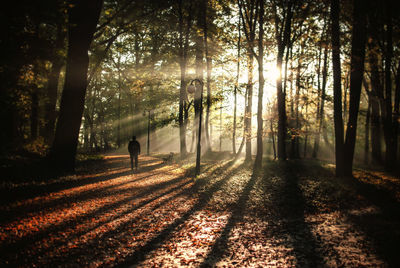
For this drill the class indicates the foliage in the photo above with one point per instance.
(135, 67)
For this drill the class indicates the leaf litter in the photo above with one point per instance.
(291, 214)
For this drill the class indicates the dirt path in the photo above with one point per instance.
(289, 215)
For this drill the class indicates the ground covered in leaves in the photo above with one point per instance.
(289, 214)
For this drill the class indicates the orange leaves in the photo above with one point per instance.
(158, 217)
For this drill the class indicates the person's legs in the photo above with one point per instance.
(136, 161)
(131, 162)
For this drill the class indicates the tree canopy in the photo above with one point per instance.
(324, 78)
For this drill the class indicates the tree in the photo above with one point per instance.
(83, 18)
(337, 87)
(235, 90)
(388, 125)
(345, 150)
(283, 26)
(52, 86)
(183, 50)
(260, 58)
(249, 15)
(356, 78)
(198, 95)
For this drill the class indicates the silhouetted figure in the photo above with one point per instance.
(134, 151)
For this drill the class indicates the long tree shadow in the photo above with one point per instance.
(220, 246)
(80, 232)
(140, 253)
(288, 205)
(73, 222)
(380, 227)
(171, 186)
(81, 196)
(27, 191)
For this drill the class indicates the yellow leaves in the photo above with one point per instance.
(137, 86)
(28, 76)
(108, 12)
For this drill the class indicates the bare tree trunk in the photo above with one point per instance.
(283, 38)
(34, 118)
(249, 14)
(388, 121)
(259, 154)
(52, 86)
(249, 107)
(396, 113)
(306, 114)
(337, 91)
(208, 80)
(297, 137)
(374, 99)
(198, 95)
(356, 77)
(183, 47)
(317, 133)
(320, 115)
(235, 91)
(83, 18)
(244, 125)
(273, 138)
(345, 91)
(291, 123)
(366, 143)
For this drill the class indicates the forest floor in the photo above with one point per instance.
(290, 214)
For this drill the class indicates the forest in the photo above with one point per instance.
(268, 132)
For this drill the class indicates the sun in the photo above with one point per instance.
(272, 73)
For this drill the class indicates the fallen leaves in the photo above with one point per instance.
(160, 217)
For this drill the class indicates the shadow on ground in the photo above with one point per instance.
(293, 213)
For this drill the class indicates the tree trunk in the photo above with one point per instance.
(208, 79)
(317, 133)
(374, 99)
(83, 18)
(337, 89)
(249, 11)
(34, 118)
(388, 122)
(291, 122)
(283, 40)
(293, 104)
(235, 92)
(259, 154)
(396, 114)
(297, 100)
(183, 46)
(52, 86)
(198, 95)
(356, 77)
(281, 111)
(249, 107)
(306, 130)
(366, 143)
(273, 138)
(320, 112)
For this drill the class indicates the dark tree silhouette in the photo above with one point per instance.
(260, 58)
(345, 148)
(337, 88)
(356, 77)
(83, 18)
(283, 29)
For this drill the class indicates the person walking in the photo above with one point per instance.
(134, 151)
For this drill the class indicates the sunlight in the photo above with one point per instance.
(272, 73)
